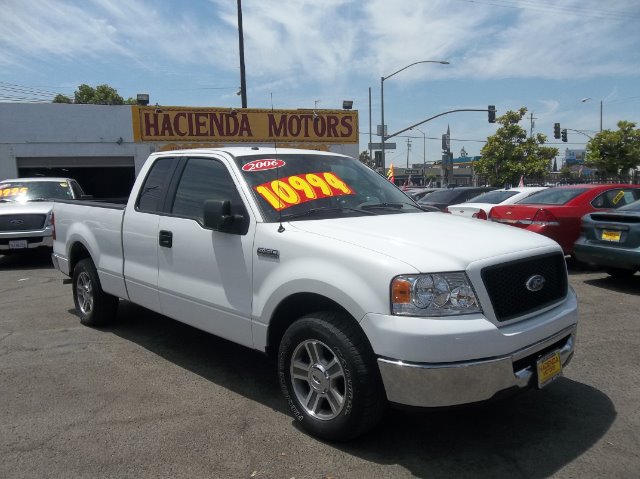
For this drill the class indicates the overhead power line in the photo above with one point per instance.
(555, 8)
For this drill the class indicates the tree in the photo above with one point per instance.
(615, 152)
(509, 153)
(366, 159)
(62, 99)
(100, 95)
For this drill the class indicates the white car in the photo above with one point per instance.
(480, 206)
(25, 210)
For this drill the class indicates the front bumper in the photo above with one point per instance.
(605, 255)
(448, 384)
(32, 242)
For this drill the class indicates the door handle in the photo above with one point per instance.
(165, 238)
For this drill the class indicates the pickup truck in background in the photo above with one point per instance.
(25, 210)
(363, 298)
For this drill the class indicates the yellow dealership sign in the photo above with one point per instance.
(223, 125)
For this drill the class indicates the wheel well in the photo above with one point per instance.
(293, 308)
(77, 253)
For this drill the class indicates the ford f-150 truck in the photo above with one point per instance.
(363, 298)
(25, 210)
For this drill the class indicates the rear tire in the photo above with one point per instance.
(93, 305)
(329, 376)
(620, 272)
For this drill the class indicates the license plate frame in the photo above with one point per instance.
(611, 235)
(548, 368)
(18, 244)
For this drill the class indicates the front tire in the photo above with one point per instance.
(93, 305)
(329, 376)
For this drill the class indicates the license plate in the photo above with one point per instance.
(610, 235)
(18, 244)
(549, 368)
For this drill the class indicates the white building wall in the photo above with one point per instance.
(46, 130)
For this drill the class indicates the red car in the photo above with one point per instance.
(556, 212)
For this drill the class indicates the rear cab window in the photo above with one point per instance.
(153, 190)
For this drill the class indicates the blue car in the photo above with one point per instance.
(611, 240)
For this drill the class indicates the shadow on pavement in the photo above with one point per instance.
(531, 435)
(27, 260)
(630, 285)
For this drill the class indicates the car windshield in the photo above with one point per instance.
(24, 191)
(312, 186)
(493, 197)
(635, 206)
(442, 196)
(552, 196)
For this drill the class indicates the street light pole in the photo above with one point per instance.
(600, 115)
(586, 100)
(382, 79)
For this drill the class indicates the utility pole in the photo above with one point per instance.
(533, 124)
(243, 79)
(408, 150)
(375, 167)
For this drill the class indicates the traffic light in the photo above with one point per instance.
(492, 113)
(556, 131)
(564, 135)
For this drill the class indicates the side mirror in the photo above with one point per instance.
(217, 216)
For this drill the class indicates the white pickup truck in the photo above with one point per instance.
(363, 298)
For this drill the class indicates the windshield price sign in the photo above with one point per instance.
(15, 191)
(297, 189)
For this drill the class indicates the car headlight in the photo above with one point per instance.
(440, 294)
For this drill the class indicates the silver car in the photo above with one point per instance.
(25, 210)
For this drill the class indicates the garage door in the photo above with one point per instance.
(109, 177)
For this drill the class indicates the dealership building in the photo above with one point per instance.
(104, 147)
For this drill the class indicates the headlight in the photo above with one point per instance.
(440, 294)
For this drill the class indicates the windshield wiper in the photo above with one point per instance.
(395, 206)
(324, 210)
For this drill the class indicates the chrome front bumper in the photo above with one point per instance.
(449, 384)
(35, 242)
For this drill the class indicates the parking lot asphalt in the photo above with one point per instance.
(150, 397)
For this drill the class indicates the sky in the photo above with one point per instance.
(544, 55)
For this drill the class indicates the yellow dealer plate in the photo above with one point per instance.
(610, 235)
(549, 368)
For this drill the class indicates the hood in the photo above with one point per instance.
(427, 241)
(28, 208)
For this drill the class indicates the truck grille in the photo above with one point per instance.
(506, 284)
(22, 222)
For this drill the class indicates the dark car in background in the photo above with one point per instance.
(419, 193)
(452, 196)
(612, 240)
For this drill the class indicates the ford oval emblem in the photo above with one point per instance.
(535, 283)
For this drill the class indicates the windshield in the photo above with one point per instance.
(552, 196)
(441, 196)
(24, 191)
(311, 186)
(493, 197)
(635, 206)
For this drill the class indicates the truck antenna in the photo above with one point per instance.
(275, 147)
